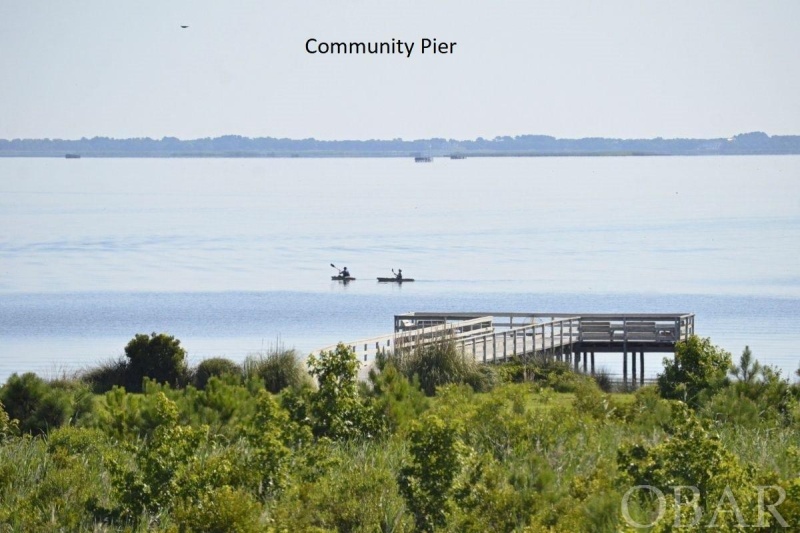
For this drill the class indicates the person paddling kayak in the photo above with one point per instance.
(344, 274)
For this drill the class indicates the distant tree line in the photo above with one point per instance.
(521, 145)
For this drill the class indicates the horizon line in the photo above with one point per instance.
(400, 139)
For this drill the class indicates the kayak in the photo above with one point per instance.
(343, 278)
(394, 280)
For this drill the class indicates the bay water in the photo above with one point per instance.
(233, 256)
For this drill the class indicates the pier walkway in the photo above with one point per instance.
(492, 337)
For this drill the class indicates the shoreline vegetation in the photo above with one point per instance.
(754, 143)
(432, 442)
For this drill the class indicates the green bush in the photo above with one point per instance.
(590, 400)
(691, 457)
(649, 412)
(730, 407)
(337, 409)
(696, 372)
(356, 493)
(162, 465)
(73, 441)
(37, 405)
(272, 437)
(220, 510)
(764, 398)
(484, 379)
(427, 482)
(8, 426)
(395, 399)
(215, 367)
(159, 357)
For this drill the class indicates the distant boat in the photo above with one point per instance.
(345, 279)
(72, 156)
(458, 156)
(423, 159)
(395, 280)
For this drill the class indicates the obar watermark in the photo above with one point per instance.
(687, 497)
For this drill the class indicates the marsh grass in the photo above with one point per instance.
(277, 369)
(105, 376)
(603, 380)
(765, 447)
(440, 363)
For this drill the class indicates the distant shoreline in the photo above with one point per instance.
(376, 156)
(232, 146)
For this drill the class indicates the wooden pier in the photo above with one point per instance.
(493, 337)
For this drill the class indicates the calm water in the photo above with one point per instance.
(233, 255)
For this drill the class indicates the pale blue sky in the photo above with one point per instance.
(570, 68)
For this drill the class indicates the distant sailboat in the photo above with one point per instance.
(424, 158)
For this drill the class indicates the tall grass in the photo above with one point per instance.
(106, 375)
(440, 363)
(278, 369)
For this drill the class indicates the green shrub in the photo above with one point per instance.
(37, 405)
(691, 457)
(159, 357)
(649, 411)
(8, 426)
(484, 379)
(511, 372)
(357, 493)
(427, 482)
(396, 400)
(564, 381)
(764, 399)
(49, 484)
(72, 441)
(336, 407)
(493, 423)
(696, 372)
(215, 367)
(220, 510)
(271, 436)
(590, 400)
(487, 498)
(161, 465)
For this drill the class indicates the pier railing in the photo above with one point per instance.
(640, 328)
(496, 337)
(554, 337)
(433, 331)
